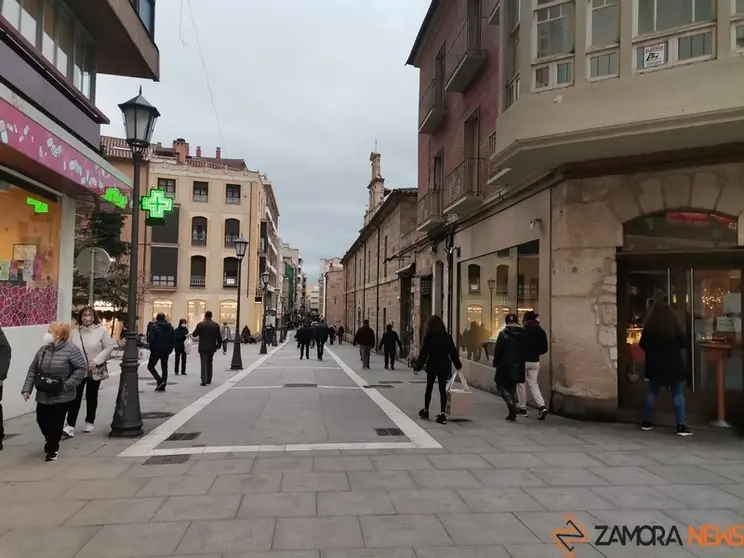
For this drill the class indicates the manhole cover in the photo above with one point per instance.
(389, 431)
(167, 459)
(156, 415)
(155, 383)
(300, 385)
(375, 386)
(179, 436)
(390, 382)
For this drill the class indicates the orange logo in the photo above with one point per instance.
(573, 533)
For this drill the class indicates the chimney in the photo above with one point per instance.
(218, 155)
(182, 150)
(198, 151)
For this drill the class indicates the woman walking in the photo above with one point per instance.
(182, 333)
(56, 371)
(663, 340)
(508, 359)
(96, 344)
(438, 353)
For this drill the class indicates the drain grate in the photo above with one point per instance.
(377, 386)
(390, 382)
(389, 431)
(182, 436)
(167, 459)
(301, 385)
(156, 415)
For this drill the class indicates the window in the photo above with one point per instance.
(695, 46)
(48, 43)
(474, 278)
(605, 16)
(65, 43)
(199, 231)
(31, 19)
(528, 273)
(195, 314)
(512, 86)
(740, 37)
(11, 10)
(232, 194)
(555, 28)
(739, 7)
(232, 232)
(201, 192)
(230, 272)
(162, 306)
(659, 15)
(512, 92)
(229, 312)
(603, 65)
(565, 73)
(167, 184)
(164, 266)
(198, 271)
(542, 77)
(146, 11)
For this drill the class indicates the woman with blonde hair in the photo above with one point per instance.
(55, 372)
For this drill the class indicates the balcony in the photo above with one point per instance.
(461, 188)
(430, 211)
(495, 183)
(493, 9)
(198, 239)
(432, 108)
(230, 282)
(230, 240)
(465, 57)
(163, 282)
(199, 281)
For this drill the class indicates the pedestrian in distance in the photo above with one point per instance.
(182, 333)
(663, 339)
(535, 344)
(508, 359)
(340, 333)
(388, 343)
(227, 336)
(365, 338)
(304, 336)
(55, 372)
(246, 335)
(210, 339)
(96, 344)
(438, 353)
(321, 335)
(162, 340)
(5, 354)
(331, 334)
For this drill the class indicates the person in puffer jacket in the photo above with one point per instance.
(508, 359)
(60, 366)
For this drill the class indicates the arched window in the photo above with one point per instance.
(198, 271)
(199, 231)
(164, 306)
(228, 312)
(474, 278)
(195, 314)
(232, 232)
(230, 273)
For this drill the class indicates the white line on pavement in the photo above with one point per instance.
(313, 387)
(347, 446)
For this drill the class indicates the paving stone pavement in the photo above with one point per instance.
(492, 490)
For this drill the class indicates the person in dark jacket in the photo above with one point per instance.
(508, 359)
(438, 353)
(535, 344)
(58, 368)
(210, 339)
(4, 367)
(161, 340)
(321, 334)
(304, 336)
(663, 340)
(388, 342)
(365, 338)
(246, 334)
(340, 333)
(331, 334)
(182, 333)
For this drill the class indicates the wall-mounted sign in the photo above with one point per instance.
(115, 197)
(39, 206)
(157, 204)
(654, 55)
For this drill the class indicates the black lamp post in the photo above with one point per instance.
(265, 280)
(241, 245)
(139, 123)
(491, 287)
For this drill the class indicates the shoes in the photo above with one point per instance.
(646, 426)
(424, 414)
(183, 373)
(522, 413)
(203, 384)
(386, 367)
(542, 413)
(511, 417)
(441, 418)
(682, 430)
(160, 387)
(68, 431)
(89, 427)
(392, 368)
(51, 456)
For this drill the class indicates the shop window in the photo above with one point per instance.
(228, 312)
(164, 306)
(29, 257)
(196, 311)
(528, 273)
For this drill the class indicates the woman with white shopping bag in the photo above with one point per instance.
(183, 345)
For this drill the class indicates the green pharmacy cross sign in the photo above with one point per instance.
(39, 206)
(115, 197)
(157, 204)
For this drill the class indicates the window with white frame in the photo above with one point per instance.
(739, 37)
(603, 65)
(605, 26)
(513, 15)
(554, 32)
(660, 15)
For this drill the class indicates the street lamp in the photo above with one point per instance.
(139, 123)
(491, 287)
(265, 280)
(241, 245)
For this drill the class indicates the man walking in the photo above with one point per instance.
(304, 336)
(388, 343)
(331, 334)
(535, 343)
(162, 340)
(226, 334)
(508, 359)
(365, 338)
(321, 336)
(340, 333)
(208, 333)
(4, 366)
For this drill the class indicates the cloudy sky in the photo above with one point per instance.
(302, 91)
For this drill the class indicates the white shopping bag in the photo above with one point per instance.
(144, 354)
(459, 399)
(187, 345)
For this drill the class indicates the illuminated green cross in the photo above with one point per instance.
(114, 196)
(157, 204)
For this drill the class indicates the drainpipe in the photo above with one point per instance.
(449, 245)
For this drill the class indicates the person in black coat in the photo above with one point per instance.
(663, 339)
(161, 339)
(388, 343)
(535, 344)
(438, 353)
(365, 338)
(331, 334)
(321, 335)
(340, 333)
(304, 336)
(508, 359)
(210, 339)
(182, 333)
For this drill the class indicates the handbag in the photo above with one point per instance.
(44, 383)
(100, 372)
(187, 345)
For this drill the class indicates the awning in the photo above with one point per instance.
(407, 271)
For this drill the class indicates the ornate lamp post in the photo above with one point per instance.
(491, 287)
(139, 123)
(265, 280)
(241, 245)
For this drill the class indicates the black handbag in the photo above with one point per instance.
(44, 383)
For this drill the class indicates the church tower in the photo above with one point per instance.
(376, 186)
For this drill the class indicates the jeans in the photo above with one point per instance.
(154, 359)
(91, 387)
(304, 350)
(509, 394)
(531, 371)
(320, 345)
(340, 339)
(224, 345)
(207, 363)
(180, 359)
(678, 398)
(390, 357)
(441, 378)
(51, 419)
(366, 352)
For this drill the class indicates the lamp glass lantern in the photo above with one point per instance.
(241, 246)
(139, 121)
(491, 284)
(265, 278)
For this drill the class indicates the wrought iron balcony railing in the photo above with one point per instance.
(463, 181)
(430, 206)
(198, 281)
(432, 100)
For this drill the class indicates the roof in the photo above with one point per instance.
(117, 148)
(423, 30)
(396, 196)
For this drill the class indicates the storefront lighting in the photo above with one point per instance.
(39, 206)
(115, 197)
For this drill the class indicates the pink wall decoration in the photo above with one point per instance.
(25, 306)
(36, 142)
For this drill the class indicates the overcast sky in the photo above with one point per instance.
(302, 91)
